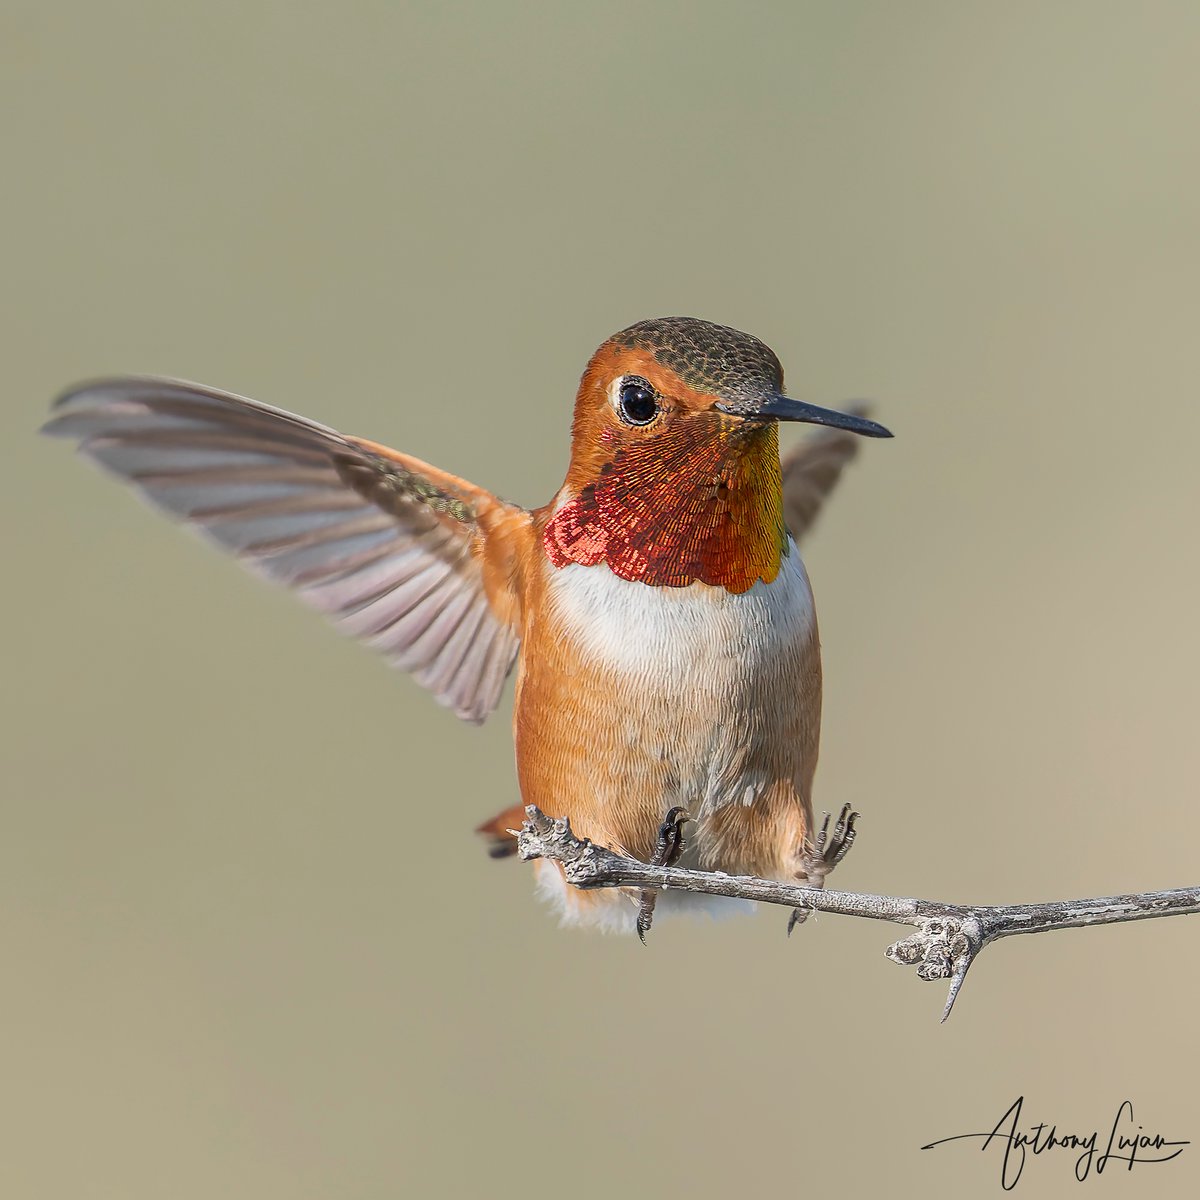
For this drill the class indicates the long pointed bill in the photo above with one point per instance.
(782, 408)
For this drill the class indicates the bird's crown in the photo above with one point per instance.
(708, 358)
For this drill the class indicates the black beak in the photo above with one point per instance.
(782, 408)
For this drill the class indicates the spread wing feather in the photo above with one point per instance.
(384, 544)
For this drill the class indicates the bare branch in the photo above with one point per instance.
(948, 937)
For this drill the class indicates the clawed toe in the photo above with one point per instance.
(843, 836)
(667, 849)
(798, 917)
(827, 850)
(823, 854)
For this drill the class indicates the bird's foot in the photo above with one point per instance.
(667, 850)
(822, 855)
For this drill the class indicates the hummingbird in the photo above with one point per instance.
(657, 609)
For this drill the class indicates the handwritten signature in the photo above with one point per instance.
(1123, 1145)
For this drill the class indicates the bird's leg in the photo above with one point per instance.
(667, 850)
(823, 854)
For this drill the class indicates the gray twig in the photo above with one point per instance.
(948, 937)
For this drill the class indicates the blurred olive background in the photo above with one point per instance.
(251, 946)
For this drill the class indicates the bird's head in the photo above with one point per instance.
(674, 472)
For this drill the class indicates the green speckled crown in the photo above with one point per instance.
(710, 358)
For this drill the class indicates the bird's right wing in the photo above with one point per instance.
(389, 547)
(811, 471)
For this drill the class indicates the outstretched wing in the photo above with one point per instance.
(386, 545)
(811, 471)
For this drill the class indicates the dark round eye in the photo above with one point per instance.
(637, 402)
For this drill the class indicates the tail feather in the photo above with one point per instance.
(501, 842)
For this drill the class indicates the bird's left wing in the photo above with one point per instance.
(392, 549)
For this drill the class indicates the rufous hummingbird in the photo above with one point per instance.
(657, 609)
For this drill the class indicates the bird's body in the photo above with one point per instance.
(658, 609)
(641, 698)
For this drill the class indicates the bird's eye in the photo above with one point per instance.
(637, 402)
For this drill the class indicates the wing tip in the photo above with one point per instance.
(96, 393)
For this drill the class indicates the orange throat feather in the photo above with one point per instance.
(687, 505)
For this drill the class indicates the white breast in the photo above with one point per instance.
(715, 676)
(675, 634)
